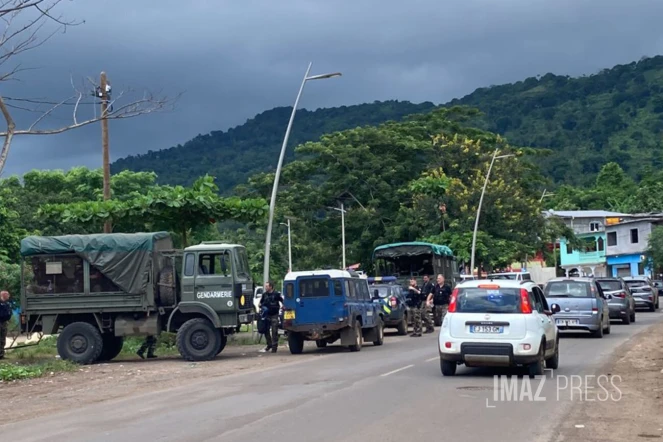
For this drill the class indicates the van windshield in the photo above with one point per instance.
(481, 300)
(314, 287)
(568, 289)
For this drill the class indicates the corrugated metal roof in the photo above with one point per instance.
(585, 213)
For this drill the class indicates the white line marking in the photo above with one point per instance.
(397, 370)
(432, 359)
(488, 405)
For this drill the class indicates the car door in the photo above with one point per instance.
(214, 280)
(602, 304)
(549, 326)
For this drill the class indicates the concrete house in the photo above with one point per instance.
(627, 241)
(590, 227)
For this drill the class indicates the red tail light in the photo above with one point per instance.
(651, 298)
(620, 295)
(393, 301)
(525, 306)
(595, 309)
(452, 301)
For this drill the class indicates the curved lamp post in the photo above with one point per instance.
(272, 201)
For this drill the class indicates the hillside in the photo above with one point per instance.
(240, 152)
(615, 115)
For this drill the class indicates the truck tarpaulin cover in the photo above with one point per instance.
(410, 249)
(124, 258)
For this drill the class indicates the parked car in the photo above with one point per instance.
(389, 296)
(622, 304)
(644, 292)
(583, 305)
(499, 323)
(327, 305)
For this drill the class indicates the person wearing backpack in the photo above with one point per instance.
(272, 302)
(441, 297)
(5, 316)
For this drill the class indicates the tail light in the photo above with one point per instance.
(651, 298)
(620, 295)
(595, 309)
(393, 301)
(525, 306)
(452, 301)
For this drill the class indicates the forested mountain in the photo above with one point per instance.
(238, 153)
(615, 115)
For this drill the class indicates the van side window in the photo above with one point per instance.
(365, 294)
(289, 289)
(350, 289)
(338, 287)
(359, 293)
(314, 288)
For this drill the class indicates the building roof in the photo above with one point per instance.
(584, 213)
(650, 219)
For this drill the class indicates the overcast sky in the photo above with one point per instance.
(233, 59)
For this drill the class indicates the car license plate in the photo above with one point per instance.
(486, 329)
(567, 322)
(289, 314)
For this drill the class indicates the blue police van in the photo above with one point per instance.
(330, 305)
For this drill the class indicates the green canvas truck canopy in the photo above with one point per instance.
(124, 258)
(410, 249)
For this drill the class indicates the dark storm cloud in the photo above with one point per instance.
(234, 59)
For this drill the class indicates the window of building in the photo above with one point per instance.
(55, 274)
(634, 236)
(612, 239)
(600, 244)
(594, 227)
(569, 249)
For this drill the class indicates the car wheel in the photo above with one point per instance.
(652, 307)
(607, 330)
(358, 337)
(633, 316)
(402, 326)
(553, 362)
(627, 319)
(598, 333)
(448, 368)
(379, 330)
(536, 368)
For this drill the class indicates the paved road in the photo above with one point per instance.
(391, 393)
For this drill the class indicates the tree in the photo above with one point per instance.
(24, 20)
(654, 250)
(177, 209)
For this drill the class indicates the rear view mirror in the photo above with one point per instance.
(554, 308)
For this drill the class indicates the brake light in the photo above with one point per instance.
(489, 286)
(525, 306)
(595, 309)
(620, 295)
(393, 301)
(452, 301)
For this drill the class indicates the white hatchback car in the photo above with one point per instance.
(499, 323)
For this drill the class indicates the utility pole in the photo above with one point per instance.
(104, 95)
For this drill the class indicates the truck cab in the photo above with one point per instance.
(327, 305)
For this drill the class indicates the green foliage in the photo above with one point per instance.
(10, 280)
(16, 372)
(233, 156)
(654, 251)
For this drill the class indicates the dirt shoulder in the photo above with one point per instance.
(120, 378)
(634, 410)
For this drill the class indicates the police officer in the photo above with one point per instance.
(273, 301)
(414, 300)
(441, 296)
(5, 316)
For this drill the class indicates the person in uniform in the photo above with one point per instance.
(5, 316)
(414, 299)
(441, 296)
(272, 300)
(149, 344)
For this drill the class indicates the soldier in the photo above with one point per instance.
(5, 316)
(440, 299)
(149, 344)
(273, 301)
(414, 299)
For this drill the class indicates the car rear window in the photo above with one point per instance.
(509, 277)
(636, 283)
(383, 292)
(610, 286)
(568, 289)
(314, 287)
(481, 300)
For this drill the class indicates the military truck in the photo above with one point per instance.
(95, 290)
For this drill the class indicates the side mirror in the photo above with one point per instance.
(554, 308)
(224, 267)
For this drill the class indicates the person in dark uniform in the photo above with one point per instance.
(5, 316)
(273, 301)
(149, 344)
(441, 296)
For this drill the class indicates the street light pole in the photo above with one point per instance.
(289, 245)
(476, 221)
(272, 201)
(342, 210)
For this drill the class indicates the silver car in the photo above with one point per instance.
(621, 304)
(583, 305)
(644, 292)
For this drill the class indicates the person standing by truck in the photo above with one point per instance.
(5, 316)
(272, 301)
(441, 295)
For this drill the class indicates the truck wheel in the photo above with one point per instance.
(358, 337)
(402, 326)
(296, 343)
(80, 342)
(166, 290)
(224, 341)
(198, 340)
(111, 348)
